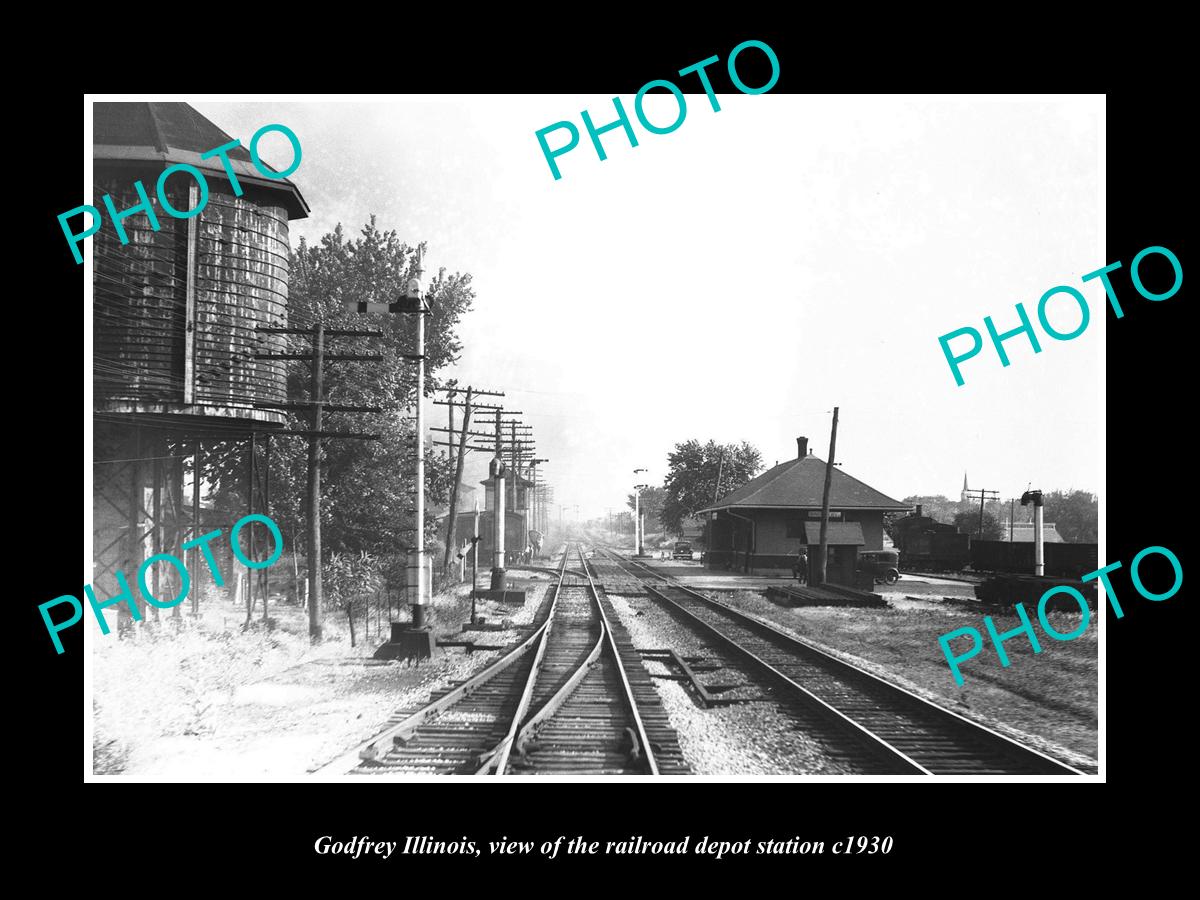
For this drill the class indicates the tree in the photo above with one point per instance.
(937, 506)
(968, 523)
(367, 486)
(691, 481)
(350, 582)
(1076, 515)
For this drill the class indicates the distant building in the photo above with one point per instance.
(517, 494)
(1022, 532)
(760, 527)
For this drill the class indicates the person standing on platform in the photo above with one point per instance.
(800, 567)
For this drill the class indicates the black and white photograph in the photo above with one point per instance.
(702, 434)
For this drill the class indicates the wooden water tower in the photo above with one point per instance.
(176, 319)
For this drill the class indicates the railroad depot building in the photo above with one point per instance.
(759, 528)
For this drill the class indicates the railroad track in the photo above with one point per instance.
(566, 700)
(889, 725)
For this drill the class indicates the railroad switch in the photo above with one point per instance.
(708, 694)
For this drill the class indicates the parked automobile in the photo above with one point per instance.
(884, 565)
(683, 550)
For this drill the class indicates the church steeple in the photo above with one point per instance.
(965, 488)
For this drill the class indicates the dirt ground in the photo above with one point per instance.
(204, 700)
(1048, 699)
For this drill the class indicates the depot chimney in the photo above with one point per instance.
(801, 447)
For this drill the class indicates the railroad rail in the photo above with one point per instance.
(890, 725)
(566, 699)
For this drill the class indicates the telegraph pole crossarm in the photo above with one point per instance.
(983, 496)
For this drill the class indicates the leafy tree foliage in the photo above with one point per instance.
(692, 477)
(651, 503)
(938, 507)
(1076, 515)
(967, 522)
(350, 583)
(367, 486)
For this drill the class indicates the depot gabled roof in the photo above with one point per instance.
(168, 133)
(799, 484)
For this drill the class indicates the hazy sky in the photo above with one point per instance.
(738, 278)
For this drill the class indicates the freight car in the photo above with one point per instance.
(1061, 560)
(928, 545)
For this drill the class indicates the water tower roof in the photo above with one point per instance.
(168, 133)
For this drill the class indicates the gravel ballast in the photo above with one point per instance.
(753, 738)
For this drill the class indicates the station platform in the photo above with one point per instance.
(695, 575)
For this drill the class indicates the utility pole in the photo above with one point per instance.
(251, 461)
(315, 598)
(984, 495)
(461, 448)
(1012, 502)
(195, 567)
(823, 545)
(716, 496)
(265, 491)
(720, 472)
(451, 525)
(496, 468)
(458, 473)
(318, 406)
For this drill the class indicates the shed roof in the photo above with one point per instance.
(840, 534)
(169, 133)
(1022, 532)
(799, 484)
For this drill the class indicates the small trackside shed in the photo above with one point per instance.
(760, 527)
